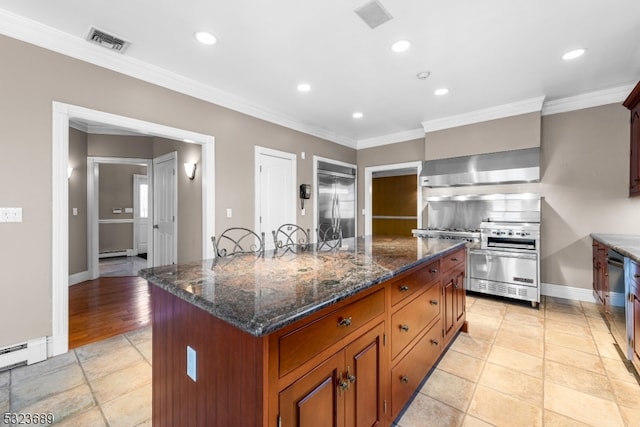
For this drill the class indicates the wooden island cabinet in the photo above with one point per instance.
(633, 104)
(354, 362)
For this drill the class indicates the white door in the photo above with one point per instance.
(165, 204)
(140, 213)
(276, 191)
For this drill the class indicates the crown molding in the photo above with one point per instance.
(587, 100)
(486, 114)
(32, 32)
(393, 138)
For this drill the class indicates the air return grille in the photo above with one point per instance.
(373, 14)
(108, 41)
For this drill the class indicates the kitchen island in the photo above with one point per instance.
(341, 337)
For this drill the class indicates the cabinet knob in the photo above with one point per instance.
(433, 302)
(343, 385)
(454, 259)
(434, 342)
(404, 288)
(404, 328)
(433, 270)
(636, 276)
(351, 378)
(345, 322)
(404, 379)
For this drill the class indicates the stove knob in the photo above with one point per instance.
(511, 233)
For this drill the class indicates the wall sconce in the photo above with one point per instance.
(190, 170)
(69, 172)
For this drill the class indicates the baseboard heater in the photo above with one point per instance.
(21, 354)
(116, 253)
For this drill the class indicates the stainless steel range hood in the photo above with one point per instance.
(494, 168)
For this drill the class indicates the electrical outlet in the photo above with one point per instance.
(191, 363)
(10, 214)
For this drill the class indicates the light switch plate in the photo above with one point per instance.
(229, 213)
(191, 363)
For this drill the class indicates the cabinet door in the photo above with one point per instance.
(317, 398)
(460, 297)
(448, 296)
(634, 169)
(363, 372)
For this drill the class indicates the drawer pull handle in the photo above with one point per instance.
(433, 270)
(433, 302)
(404, 288)
(405, 379)
(345, 322)
(404, 328)
(454, 259)
(434, 342)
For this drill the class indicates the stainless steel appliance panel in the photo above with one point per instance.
(513, 268)
(337, 201)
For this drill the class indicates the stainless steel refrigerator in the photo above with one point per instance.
(337, 197)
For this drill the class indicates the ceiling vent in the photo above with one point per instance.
(373, 14)
(108, 41)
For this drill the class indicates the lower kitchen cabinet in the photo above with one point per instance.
(343, 391)
(454, 296)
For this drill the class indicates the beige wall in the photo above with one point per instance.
(134, 147)
(78, 199)
(26, 105)
(509, 133)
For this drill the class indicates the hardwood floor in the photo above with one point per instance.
(106, 307)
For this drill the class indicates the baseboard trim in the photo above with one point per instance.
(76, 278)
(29, 352)
(568, 292)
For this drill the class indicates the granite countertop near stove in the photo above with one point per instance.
(626, 244)
(260, 295)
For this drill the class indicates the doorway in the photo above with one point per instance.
(410, 168)
(62, 114)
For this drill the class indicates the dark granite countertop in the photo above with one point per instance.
(626, 244)
(260, 295)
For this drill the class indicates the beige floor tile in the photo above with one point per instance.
(525, 318)
(584, 344)
(37, 370)
(449, 389)
(461, 365)
(579, 319)
(561, 301)
(93, 417)
(513, 383)
(145, 348)
(488, 307)
(579, 359)
(503, 410)
(619, 370)
(5, 378)
(4, 400)
(482, 332)
(516, 360)
(523, 330)
(113, 361)
(526, 309)
(580, 406)
(109, 387)
(568, 328)
(578, 379)
(630, 416)
(470, 421)
(564, 308)
(471, 346)
(129, 409)
(139, 335)
(488, 321)
(515, 341)
(590, 309)
(65, 404)
(551, 419)
(596, 324)
(627, 394)
(425, 409)
(33, 390)
(606, 345)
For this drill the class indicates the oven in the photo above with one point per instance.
(508, 261)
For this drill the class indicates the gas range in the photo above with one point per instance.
(469, 235)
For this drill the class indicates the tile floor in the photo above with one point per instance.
(121, 266)
(517, 366)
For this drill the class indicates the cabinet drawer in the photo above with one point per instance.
(453, 260)
(411, 370)
(302, 344)
(410, 320)
(634, 274)
(410, 284)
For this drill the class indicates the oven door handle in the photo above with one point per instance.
(491, 252)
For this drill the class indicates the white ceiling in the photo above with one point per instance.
(488, 53)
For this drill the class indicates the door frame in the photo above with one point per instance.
(368, 196)
(316, 160)
(259, 151)
(93, 198)
(58, 342)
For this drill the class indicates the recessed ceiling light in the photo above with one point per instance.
(441, 91)
(574, 54)
(357, 115)
(205, 38)
(304, 87)
(401, 46)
